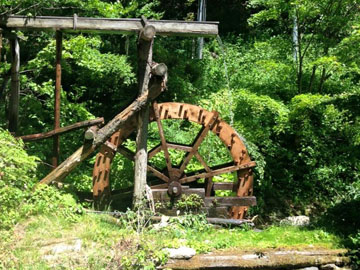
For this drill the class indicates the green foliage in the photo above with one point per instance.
(17, 169)
(18, 198)
(192, 202)
(141, 255)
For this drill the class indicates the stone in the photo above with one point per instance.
(163, 223)
(296, 221)
(330, 266)
(61, 248)
(309, 268)
(180, 253)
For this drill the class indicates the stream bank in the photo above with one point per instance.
(235, 259)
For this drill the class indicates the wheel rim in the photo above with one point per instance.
(210, 122)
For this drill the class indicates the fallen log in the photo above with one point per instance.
(219, 221)
(59, 131)
(156, 87)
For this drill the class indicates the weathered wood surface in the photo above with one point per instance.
(223, 186)
(164, 145)
(114, 26)
(159, 69)
(62, 130)
(239, 259)
(241, 160)
(57, 94)
(15, 85)
(230, 201)
(213, 220)
(156, 87)
(90, 133)
(145, 53)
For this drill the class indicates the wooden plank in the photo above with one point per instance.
(230, 201)
(223, 186)
(41, 136)
(15, 85)
(107, 25)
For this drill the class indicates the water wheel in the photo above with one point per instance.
(177, 178)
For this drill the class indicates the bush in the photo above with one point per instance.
(18, 199)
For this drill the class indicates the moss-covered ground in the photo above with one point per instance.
(135, 243)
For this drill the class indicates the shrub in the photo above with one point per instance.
(18, 199)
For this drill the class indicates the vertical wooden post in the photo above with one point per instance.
(56, 142)
(15, 85)
(145, 43)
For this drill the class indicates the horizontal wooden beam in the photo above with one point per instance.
(107, 25)
(230, 201)
(59, 131)
(223, 186)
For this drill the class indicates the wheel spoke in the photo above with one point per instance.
(154, 151)
(208, 181)
(157, 173)
(198, 140)
(202, 162)
(179, 146)
(225, 168)
(130, 155)
(164, 146)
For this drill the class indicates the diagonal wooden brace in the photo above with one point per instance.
(156, 87)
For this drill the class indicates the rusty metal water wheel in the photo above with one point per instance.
(174, 177)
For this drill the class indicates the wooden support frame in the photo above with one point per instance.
(113, 26)
(118, 122)
(57, 94)
(145, 52)
(62, 130)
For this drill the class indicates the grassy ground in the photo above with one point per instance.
(107, 242)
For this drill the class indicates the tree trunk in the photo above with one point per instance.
(312, 78)
(15, 85)
(322, 80)
(0, 42)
